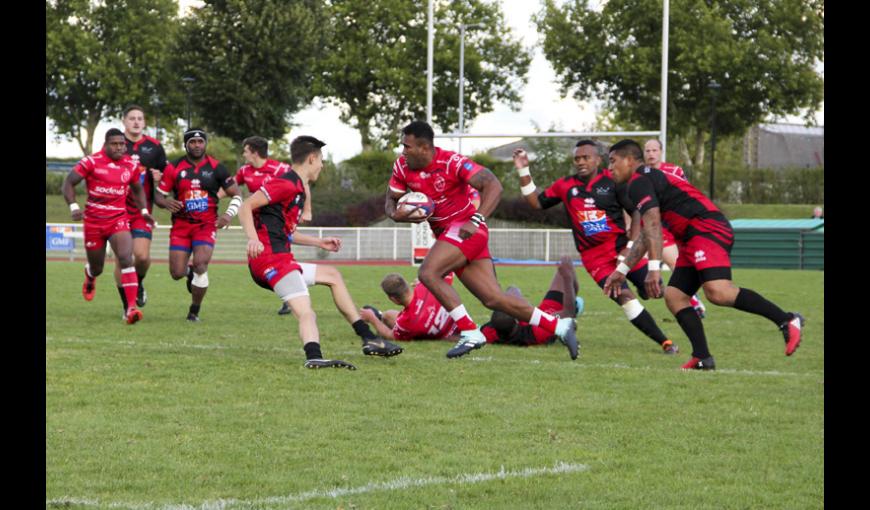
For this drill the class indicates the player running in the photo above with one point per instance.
(595, 211)
(151, 159)
(462, 237)
(194, 181)
(652, 156)
(109, 174)
(704, 237)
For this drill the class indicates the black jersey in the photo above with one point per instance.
(147, 153)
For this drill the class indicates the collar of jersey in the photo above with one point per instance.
(186, 163)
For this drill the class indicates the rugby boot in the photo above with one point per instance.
(579, 306)
(566, 330)
(141, 296)
(189, 279)
(791, 331)
(469, 340)
(133, 315)
(670, 347)
(192, 317)
(89, 288)
(707, 363)
(328, 363)
(285, 309)
(380, 347)
(377, 312)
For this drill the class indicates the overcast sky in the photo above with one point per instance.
(541, 106)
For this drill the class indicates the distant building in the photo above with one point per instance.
(784, 146)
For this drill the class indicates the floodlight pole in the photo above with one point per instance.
(714, 88)
(663, 121)
(188, 82)
(462, 28)
(429, 57)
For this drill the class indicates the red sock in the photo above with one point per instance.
(461, 318)
(130, 282)
(543, 320)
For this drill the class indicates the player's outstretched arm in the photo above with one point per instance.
(332, 244)
(382, 329)
(527, 185)
(69, 194)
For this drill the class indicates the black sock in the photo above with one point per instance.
(752, 302)
(363, 331)
(312, 350)
(648, 326)
(123, 297)
(194, 309)
(141, 278)
(694, 329)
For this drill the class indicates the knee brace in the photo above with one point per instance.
(200, 280)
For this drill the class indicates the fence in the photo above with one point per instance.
(765, 247)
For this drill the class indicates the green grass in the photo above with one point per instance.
(177, 414)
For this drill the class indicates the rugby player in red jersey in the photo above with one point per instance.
(151, 159)
(595, 211)
(652, 156)
(704, 237)
(560, 300)
(462, 237)
(108, 173)
(194, 181)
(269, 218)
(422, 316)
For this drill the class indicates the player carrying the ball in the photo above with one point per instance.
(462, 236)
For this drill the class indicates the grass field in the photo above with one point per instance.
(221, 414)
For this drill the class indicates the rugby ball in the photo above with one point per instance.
(419, 202)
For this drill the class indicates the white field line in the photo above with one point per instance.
(336, 492)
(343, 351)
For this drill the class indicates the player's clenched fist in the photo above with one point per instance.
(255, 248)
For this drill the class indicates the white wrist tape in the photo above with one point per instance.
(73, 207)
(622, 268)
(654, 265)
(528, 189)
(233, 209)
(522, 172)
(630, 244)
(144, 211)
(620, 258)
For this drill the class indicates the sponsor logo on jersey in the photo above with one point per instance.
(125, 177)
(90, 244)
(603, 190)
(593, 222)
(700, 256)
(107, 190)
(468, 165)
(196, 201)
(144, 149)
(590, 202)
(574, 192)
(270, 273)
(439, 184)
(182, 174)
(195, 183)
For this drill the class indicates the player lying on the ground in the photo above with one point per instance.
(422, 317)
(560, 300)
(108, 173)
(705, 239)
(595, 211)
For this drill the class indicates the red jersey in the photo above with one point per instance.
(675, 170)
(276, 222)
(196, 186)
(445, 181)
(146, 153)
(108, 182)
(254, 178)
(425, 317)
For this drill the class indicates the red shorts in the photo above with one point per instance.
(475, 247)
(185, 235)
(600, 261)
(139, 226)
(667, 238)
(97, 232)
(269, 268)
(702, 253)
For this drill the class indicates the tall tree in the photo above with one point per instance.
(101, 56)
(252, 62)
(374, 66)
(762, 53)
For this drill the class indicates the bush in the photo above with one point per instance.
(741, 185)
(368, 170)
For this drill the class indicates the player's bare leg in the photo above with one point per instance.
(565, 281)
(199, 282)
(669, 257)
(479, 278)
(93, 269)
(122, 247)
